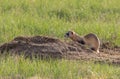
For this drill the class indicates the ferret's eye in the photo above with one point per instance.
(67, 34)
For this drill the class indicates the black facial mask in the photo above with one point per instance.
(67, 34)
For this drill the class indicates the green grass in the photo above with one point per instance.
(54, 18)
(56, 69)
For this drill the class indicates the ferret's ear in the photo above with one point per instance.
(72, 32)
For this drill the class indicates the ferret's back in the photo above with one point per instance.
(91, 35)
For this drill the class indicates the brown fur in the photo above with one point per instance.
(72, 35)
(91, 40)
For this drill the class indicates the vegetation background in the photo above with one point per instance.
(53, 18)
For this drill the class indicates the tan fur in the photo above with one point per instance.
(91, 40)
(74, 36)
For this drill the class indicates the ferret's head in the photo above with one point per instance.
(69, 34)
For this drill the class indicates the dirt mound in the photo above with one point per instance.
(45, 47)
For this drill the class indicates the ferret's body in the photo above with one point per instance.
(91, 40)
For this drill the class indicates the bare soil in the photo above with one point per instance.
(48, 47)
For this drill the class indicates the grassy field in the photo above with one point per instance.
(18, 67)
(53, 18)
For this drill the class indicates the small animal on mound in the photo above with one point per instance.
(91, 40)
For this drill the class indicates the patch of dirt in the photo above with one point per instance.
(47, 47)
